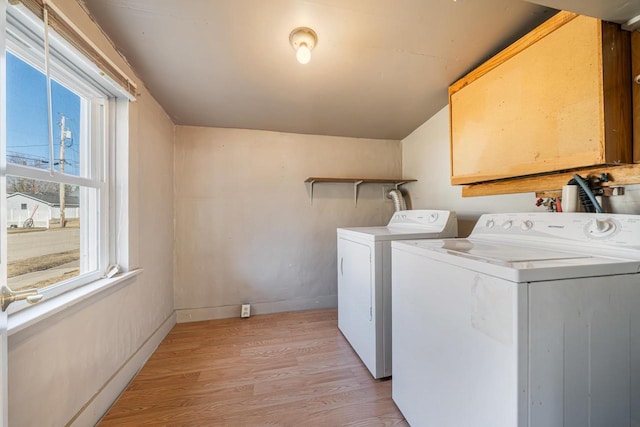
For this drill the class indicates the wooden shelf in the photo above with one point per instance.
(361, 180)
(619, 175)
(355, 181)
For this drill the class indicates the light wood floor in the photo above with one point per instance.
(286, 369)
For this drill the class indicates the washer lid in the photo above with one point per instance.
(520, 263)
(503, 253)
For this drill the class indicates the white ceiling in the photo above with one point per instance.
(619, 11)
(380, 69)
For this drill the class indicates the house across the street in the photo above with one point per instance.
(42, 208)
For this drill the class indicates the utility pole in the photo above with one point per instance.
(64, 134)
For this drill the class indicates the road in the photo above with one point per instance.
(38, 243)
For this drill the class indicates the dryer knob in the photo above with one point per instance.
(490, 223)
(507, 224)
(433, 217)
(526, 225)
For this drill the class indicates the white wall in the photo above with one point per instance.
(71, 366)
(425, 156)
(245, 228)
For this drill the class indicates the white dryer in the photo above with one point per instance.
(364, 280)
(534, 320)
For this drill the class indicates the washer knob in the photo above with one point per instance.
(490, 223)
(433, 217)
(507, 224)
(526, 225)
(601, 227)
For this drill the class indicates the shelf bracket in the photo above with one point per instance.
(356, 183)
(355, 191)
(311, 190)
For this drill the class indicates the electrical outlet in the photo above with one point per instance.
(246, 310)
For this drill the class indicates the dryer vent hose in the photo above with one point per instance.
(398, 201)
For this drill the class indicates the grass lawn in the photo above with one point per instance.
(39, 263)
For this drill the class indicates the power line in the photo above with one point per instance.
(26, 146)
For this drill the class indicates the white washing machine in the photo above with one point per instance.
(364, 280)
(534, 320)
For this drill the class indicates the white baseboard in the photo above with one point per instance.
(227, 311)
(100, 403)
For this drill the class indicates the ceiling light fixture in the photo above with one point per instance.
(303, 40)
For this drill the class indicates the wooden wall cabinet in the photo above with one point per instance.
(635, 76)
(557, 99)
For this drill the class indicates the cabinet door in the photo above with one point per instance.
(355, 298)
(554, 100)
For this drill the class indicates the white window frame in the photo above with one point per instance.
(109, 106)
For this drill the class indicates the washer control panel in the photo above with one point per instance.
(610, 229)
(430, 218)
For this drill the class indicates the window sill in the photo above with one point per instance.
(28, 317)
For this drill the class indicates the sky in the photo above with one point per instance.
(27, 125)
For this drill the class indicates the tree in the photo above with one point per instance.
(30, 186)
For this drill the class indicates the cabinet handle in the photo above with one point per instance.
(341, 264)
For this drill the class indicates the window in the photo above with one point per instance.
(60, 122)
